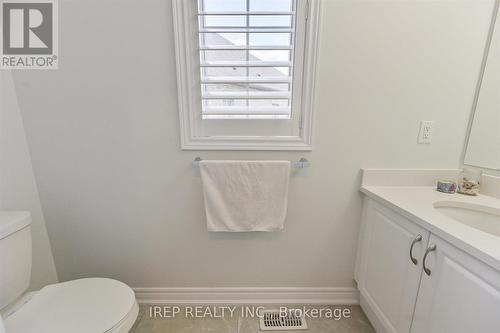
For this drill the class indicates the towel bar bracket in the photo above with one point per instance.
(300, 164)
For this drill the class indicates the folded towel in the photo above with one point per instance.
(245, 195)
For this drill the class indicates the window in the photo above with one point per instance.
(246, 61)
(245, 72)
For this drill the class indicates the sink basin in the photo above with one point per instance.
(484, 218)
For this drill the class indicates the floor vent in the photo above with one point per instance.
(275, 320)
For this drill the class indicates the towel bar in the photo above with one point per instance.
(300, 164)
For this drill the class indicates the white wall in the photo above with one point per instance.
(122, 200)
(18, 189)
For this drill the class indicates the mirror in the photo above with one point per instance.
(483, 148)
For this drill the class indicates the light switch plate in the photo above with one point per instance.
(426, 129)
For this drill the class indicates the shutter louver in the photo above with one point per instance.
(246, 58)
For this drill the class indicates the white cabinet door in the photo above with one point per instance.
(387, 278)
(461, 294)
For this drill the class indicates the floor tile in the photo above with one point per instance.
(237, 323)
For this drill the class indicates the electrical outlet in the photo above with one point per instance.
(425, 134)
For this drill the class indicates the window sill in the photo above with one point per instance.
(260, 143)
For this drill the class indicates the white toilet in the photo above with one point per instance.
(93, 305)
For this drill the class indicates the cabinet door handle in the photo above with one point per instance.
(415, 240)
(429, 250)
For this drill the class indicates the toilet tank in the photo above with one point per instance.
(15, 255)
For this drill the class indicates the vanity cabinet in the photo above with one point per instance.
(459, 293)
(389, 270)
(451, 292)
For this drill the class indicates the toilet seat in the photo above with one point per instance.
(93, 305)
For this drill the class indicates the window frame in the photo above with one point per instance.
(189, 94)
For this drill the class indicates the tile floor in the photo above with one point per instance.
(357, 323)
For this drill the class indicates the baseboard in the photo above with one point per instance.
(331, 296)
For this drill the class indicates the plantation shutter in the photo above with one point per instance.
(246, 52)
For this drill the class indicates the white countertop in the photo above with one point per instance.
(417, 204)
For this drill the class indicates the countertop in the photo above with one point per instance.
(417, 204)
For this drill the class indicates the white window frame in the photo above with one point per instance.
(188, 85)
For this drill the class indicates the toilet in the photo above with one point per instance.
(91, 305)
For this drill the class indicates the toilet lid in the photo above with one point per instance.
(93, 305)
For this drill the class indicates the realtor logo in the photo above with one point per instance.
(29, 34)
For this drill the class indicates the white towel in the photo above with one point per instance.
(245, 195)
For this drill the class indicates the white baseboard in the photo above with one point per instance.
(330, 296)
